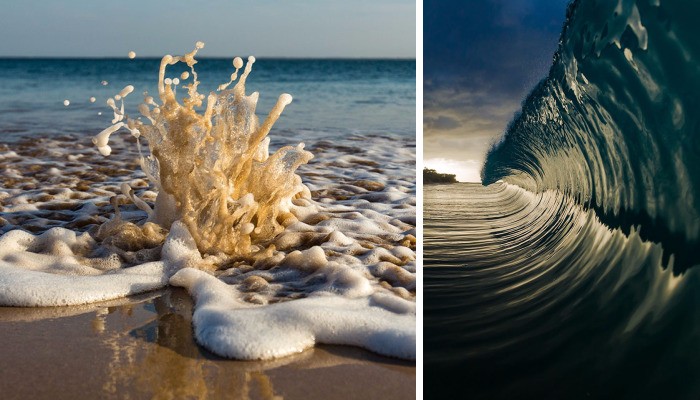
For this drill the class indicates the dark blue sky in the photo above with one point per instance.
(481, 58)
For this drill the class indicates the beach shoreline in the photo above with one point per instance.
(143, 347)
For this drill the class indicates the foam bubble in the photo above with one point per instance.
(51, 269)
(125, 92)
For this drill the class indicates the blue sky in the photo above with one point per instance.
(304, 28)
(481, 58)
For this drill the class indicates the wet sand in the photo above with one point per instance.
(143, 347)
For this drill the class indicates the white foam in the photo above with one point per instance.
(231, 328)
(180, 249)
(344, 262)
(51, 270)
(26, 288)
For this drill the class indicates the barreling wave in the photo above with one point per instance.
(571, 279)
(616, 124)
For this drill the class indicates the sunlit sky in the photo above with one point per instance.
(303, 28)
(481, 58)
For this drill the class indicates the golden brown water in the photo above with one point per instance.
(212, 168)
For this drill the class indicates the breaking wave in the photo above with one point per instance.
(568, 273)
(615, 125)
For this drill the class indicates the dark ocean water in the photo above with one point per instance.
(331, 96)
(572, 273)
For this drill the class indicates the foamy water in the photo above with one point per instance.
(334, 264)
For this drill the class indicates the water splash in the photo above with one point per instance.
(213, 170)
(343, 273)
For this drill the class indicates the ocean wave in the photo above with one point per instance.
(615, 124)
(567, 274)
(529, 295)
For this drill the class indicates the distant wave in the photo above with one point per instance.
(616, 124)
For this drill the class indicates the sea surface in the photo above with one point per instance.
(571, 273)
(338, 96)
(530, 296)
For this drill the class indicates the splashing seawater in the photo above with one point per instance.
(272, 270)
(213, 170)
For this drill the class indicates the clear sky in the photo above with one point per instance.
(266, 28)
(481, 58)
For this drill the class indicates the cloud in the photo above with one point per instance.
(513, 13)
(505, 44)
(470, 122)
(441, 123)
(481, 58)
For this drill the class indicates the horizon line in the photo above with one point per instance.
(207, 57)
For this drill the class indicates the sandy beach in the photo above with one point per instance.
(143, 347)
